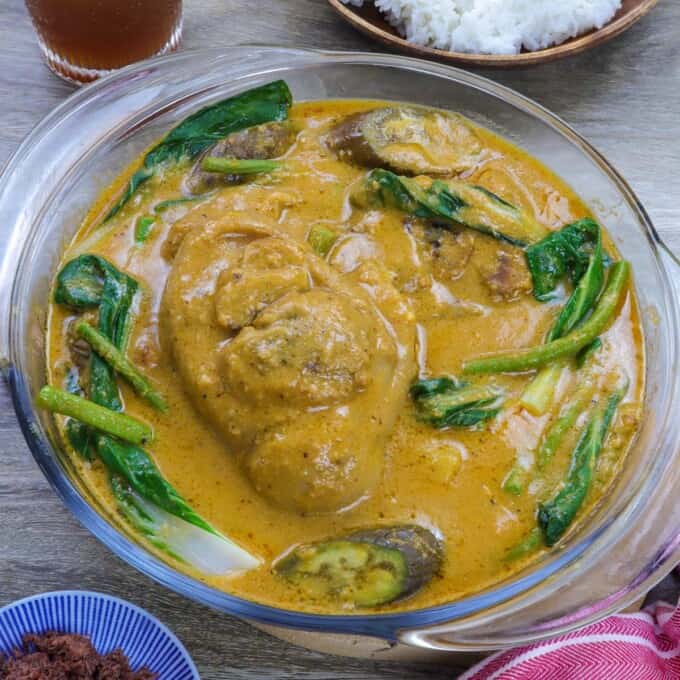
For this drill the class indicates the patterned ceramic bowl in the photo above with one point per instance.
(110, 623)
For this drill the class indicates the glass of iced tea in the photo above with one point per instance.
(85, 39)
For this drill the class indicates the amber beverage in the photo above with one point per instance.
(84, 39)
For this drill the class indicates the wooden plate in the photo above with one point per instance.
(369, 21)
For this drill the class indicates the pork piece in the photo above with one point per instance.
(507, 278)
(270, 140)
(407, 140)
(243, 293)
(450, 250)
(79, 349)
(301, 369)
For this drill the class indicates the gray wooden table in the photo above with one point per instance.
(624, 97)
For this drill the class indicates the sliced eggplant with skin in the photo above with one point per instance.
(260, 142)
(366, 568)
(407, 140)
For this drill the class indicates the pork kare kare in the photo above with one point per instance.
(344, 356)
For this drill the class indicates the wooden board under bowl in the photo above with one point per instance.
(368, 20)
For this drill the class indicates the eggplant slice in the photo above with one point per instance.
(366, 568)
(407, 140)
(260, 142)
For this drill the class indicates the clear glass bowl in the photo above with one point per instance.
(632, 539)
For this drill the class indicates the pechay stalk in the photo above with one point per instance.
(321, 239)
(563, 424)
(556, 515)
(539, 393)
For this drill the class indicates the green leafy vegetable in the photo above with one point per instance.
(209, 551)
(234, 166)
(564, 422)
(321, 239)
(154, 507)
(80, 283)
(143, 228)
(89, 413)
(140, 472)
(566, 252)
(450, 202)
(514, 482)
(72, 381)
(90, 281)
(148, 502)
(447, 402)
(263, 104)
(121, 364)
(528, 545)
(133, 511)
(569, 345)
(76, 432)
(556, 515)
(538, 395)
(584, 296)
(80, 438)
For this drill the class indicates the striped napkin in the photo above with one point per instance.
(641, 646)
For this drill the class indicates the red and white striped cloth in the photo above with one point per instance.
(641, 646)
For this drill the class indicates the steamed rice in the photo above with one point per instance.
(493, 26)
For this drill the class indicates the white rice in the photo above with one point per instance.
(493, 26)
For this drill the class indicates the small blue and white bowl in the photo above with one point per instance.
(110, 623)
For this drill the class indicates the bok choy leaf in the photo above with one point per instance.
(450, 202)
(148, 502)
(155, 508)
(208, 551)
(196, 133)
(447, 402)
(556, 515)
(538, 395)
(563, 253)
(91, 282)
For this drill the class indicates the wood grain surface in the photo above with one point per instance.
(624, 96)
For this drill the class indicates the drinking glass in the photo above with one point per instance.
(82, 40)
